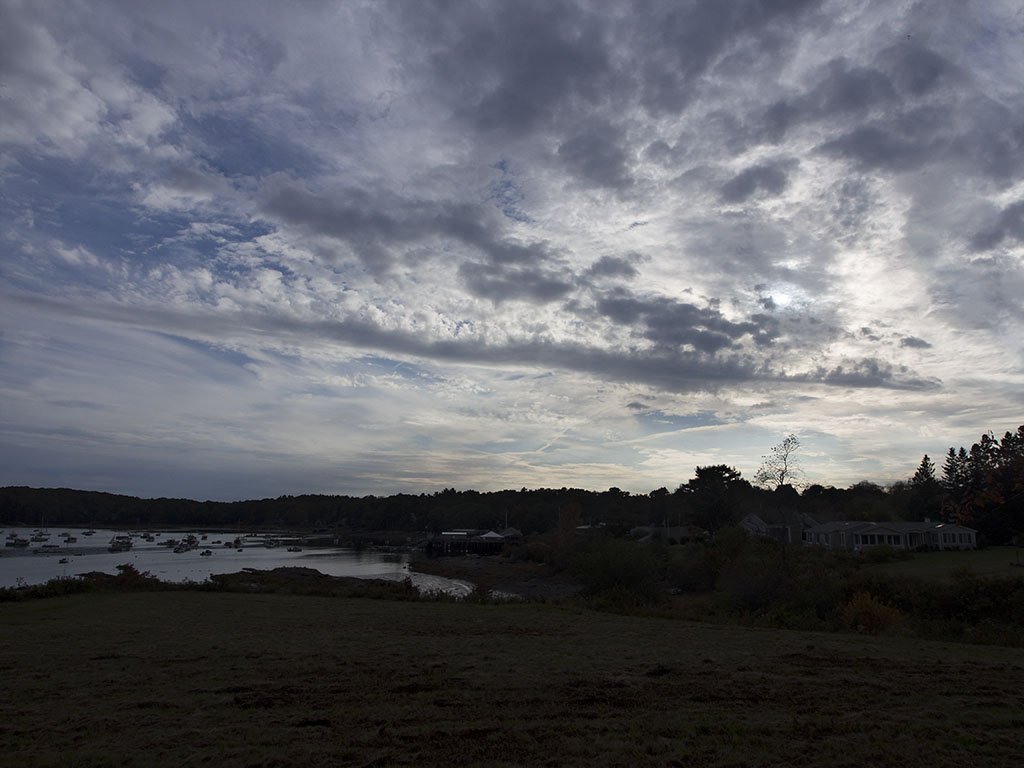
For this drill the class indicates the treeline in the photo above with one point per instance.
(982, 487)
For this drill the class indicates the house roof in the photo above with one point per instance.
(866, 526)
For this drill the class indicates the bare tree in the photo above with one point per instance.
(781, 466)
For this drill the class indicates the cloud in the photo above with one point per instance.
(597, 158)
(771, 179)
(527, 64)
(499, 283)
(871, 372)
(672, 324)
(612, 267)
(914, 343)
(539, 211)
(1008, 224)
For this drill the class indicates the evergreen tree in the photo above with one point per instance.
(924, 478)
(954, 471)
(925, 491)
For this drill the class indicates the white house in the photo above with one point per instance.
(860, 534)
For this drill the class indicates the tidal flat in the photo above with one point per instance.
(196, 678)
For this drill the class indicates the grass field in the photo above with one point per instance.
(192, 679)
(942, 566)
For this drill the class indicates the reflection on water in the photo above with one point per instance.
(44, 558)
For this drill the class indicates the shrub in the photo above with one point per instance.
(866, 613)
(617, 564)
(693, 568)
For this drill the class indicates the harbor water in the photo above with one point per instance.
(69, 552)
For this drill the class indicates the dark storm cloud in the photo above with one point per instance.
(871, 372)
(511, 68)
(1008, 224)
(681, 42)
(849, 91)
(613, 266)
(768, 178)
(375, 224)
(499, 283)
(669, 323)
(846, 91)
(908, 108)
(597, 157)
(916, 70)
(874, 147)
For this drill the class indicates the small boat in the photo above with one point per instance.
(294, 549)
(64, 560)
(120, 543)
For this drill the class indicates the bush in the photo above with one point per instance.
(617, 564)
(755, 575)
(693, 568)
(866, 613)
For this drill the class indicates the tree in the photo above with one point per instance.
(925, 490)
(781, 466)
(713, 495)
(955, 472)
(924, 478)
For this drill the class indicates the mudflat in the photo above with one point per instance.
(197, 678)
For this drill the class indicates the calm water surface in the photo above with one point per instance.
(35, 564)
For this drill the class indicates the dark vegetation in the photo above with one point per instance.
(982, 487)
(757, 581)
(695, 563)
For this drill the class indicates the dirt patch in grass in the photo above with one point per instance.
(187, 679)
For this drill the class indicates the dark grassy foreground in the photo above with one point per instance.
(194, 678)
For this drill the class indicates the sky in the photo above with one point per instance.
(259, 248)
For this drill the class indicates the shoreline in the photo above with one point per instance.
(526, 579)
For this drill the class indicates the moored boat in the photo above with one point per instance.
(120, 543)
